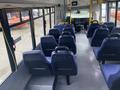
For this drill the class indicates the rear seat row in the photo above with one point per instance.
(56, 56)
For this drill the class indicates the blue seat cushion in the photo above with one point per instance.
(110, 70)
(96, 50)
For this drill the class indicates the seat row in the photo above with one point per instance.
(55, 38)
(95, 25)
(56, 56)
(106, 46)
(62, 62)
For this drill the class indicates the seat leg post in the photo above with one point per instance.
(55, 82)
(68, 79)
(103, 62)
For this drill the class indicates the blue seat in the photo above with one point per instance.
(48, 44)
(115, 30)
(98, 37)
(55, 32)
(60, 27)
(112, 75)
(63, 62)
(109, 50)
(37, 63)
(68, 41)
(114, 81)
(92, 29)
(70, 26)
(110, 25)
(70, 30)
(68, 33)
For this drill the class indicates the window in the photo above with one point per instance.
(5, 69)
(22, 37)
(112, 8)
(104, 15)
(40, 12)
(25, 15)
(52, 19)
(38, 29)
(45, 11)
(13, 17)
(35, 13)
(118, 15)
(47, 23)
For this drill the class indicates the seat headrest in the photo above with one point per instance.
(34, 55)
(54, 30)
(66, 33)
(114, 35)
(115, 30)
(48, 38)
(109, 23)
(102, 30)
(68, 25)
(64, 37)
(94, 22)
(61, 48)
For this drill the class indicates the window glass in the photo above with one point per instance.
(47, 23)
(118, 15)
(25, 15)
(13, 17)
(45, 11)
(5, 69)
(112, 8)
(22, 38)
(35, 13)
(38, 29)
(104, 15)
(52, 19)
(40, 12)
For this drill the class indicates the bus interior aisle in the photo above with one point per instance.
(59, 45)
(89, 73)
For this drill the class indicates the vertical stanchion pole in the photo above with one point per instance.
(70, 11)
(44, 21)
(54, 16)
(32, 28)
(116, 13)
(90, 12)
(108, 11)
(50, 17)
(100, 6)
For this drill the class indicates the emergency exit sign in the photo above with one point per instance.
(74, 3)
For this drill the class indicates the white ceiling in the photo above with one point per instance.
(38, 3)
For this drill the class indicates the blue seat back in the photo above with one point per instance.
(98, 37)
(109, 50)
(36, 63)
(48, 44)
(55, 32)
(71, 30)
(92, 29)
(70, 26)
(110, 25)
(114, 81)
(63, 62)
(115, 30)
(68, 41)
(60, 27)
